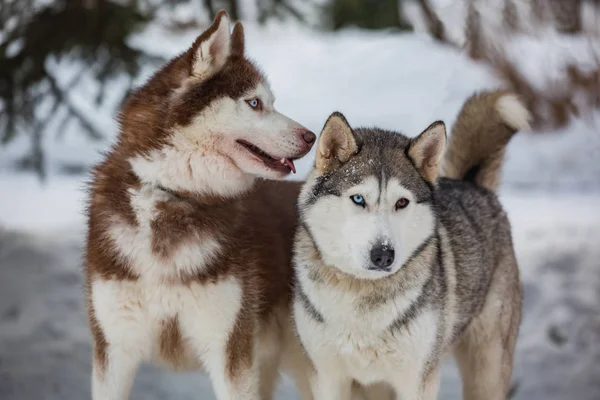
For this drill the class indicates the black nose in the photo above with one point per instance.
(309, 137)
(382, 257)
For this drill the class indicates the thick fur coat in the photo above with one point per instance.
(188, 250)
(398, 268)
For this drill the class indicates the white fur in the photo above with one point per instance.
(338, 307)
(134, 243)
(204, 156)
(369, 354)
(354, 343)
(212, 53)
(131, 315)
(345, 233)
(182, 167)
(513, 112)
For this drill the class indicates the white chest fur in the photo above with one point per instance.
(133, 313)
(134, 243)
(357, 341)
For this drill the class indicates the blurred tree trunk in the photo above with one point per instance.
(567, 15)
(210, 8)
(234, 11)
(539, 10)
(434, 24)
(278, 9)
(367, 14)
(510, 16)
(473, 36)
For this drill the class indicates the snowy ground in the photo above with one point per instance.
(402, 82)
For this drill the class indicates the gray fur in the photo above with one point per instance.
(381, 154)
(479, 234)
(308, 306)
(465, 273)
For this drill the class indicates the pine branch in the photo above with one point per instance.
(292, 10)
(64, 99)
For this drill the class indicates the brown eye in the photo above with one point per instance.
(402, 203)
(255, 104)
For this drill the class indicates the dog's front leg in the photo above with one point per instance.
(430, 385)
(113, 375)
(243, 386)
(330, 385)
(378, 391)
(233, 368)
(415, 387)
(120, 338)
(241, 383)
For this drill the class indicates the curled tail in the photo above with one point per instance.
(480, 134)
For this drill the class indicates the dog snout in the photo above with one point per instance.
(382, 257)
(309, 137)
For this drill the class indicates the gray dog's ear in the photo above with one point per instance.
(336, 144)
(427, 150)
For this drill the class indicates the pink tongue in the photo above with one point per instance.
(290, 164)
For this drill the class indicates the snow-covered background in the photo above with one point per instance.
(400, 81)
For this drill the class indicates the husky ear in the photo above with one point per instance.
(237, 40)
(211, 49)
(427, 149)
(336, 144)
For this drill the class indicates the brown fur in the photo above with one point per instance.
(237, 40)
(183, 219)
(100, 344)
(172, 346)
(240, 347)
(255, 230)
(145, 121)
(262, 223)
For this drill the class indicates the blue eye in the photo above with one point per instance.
(254, 103)
(358, 200)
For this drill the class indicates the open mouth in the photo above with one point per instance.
(280, 164)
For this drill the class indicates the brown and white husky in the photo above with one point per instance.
(188, 249)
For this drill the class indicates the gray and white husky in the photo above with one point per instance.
(398, 267)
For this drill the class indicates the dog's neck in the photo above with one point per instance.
(203, 200)
(205, 180)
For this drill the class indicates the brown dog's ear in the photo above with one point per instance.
(237, 40)
(427, 149)
(336, 144)
(211, 49)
